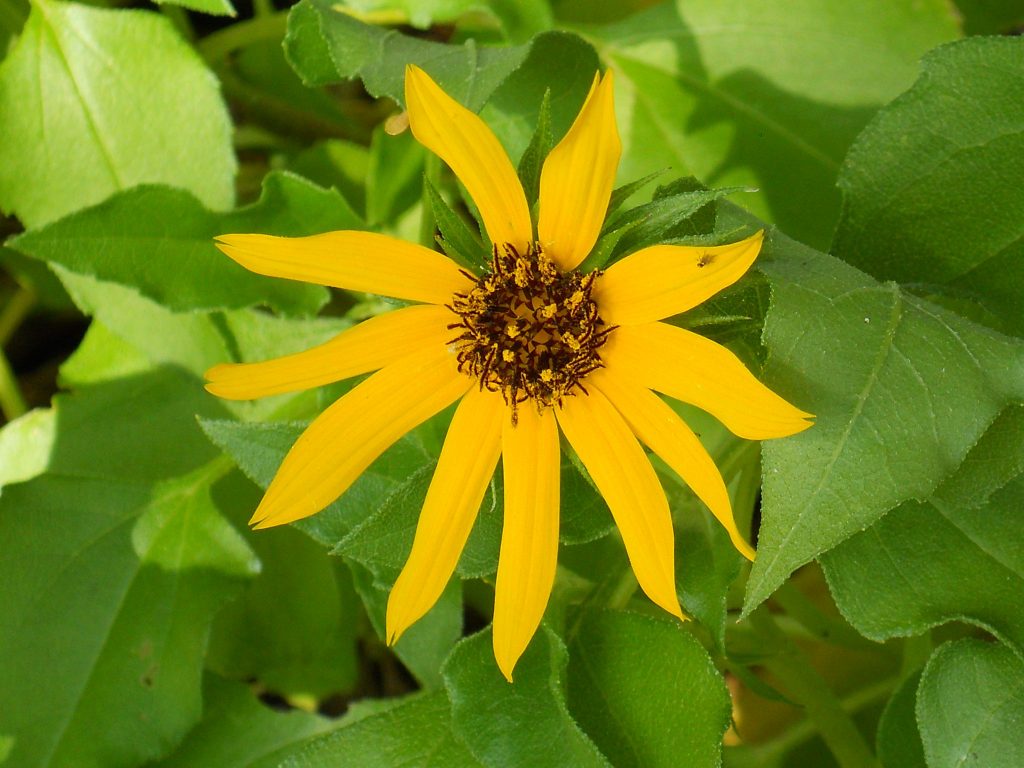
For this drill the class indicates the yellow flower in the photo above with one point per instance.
(530, 348)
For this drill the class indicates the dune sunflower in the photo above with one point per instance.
(529, 348)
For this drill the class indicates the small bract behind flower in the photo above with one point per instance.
(529, 349)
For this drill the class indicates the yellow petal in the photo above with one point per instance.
(366, 347)
(665, 280)
(529, 536)
(472, 151)
(624, 476)
(346, 438)
(353, 260)
(464, 470)
(702, 372)
(661, 429)
(577, 178)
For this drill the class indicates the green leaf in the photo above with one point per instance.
(901, 390)
(294, 629)
(647, 692)
(139, 328)
(181, 268)
(259, 448)
(941, 207)
(523, 723)
(677, 209)
(130, 334)
(305, 47)
(238, 731)
(25, 446)
(457, 239)
(706, 562)
(378, 56)
(513, 111)
(970, 706)
(415, 733)
(952, 558)
(385, 537)
(118, 561)
(532, 160)
(119, 99)
(213, 7)
(427, 643)
(723, 91)
(899, 740)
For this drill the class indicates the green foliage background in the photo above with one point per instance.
(141, 623)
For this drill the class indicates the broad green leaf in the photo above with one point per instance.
(294, 628)
(418, 13)
(427, 643)
(99, 434)
(213, 7)
(898, 739)
(955, 557)
(306, 48)
(118, 562)
(901, 389)
(94, 101)
(416, 733)
(940, 208)
(646, 692)
(130, 333)
(385, 537)
(239, 731)
(970, 706)
(522, 723)
(378, 56)
(725, 91)
(159, 241)
(518, 19)
(162, 337)
(102, 356)
(259, 448)
(513, 111)
(706, 562)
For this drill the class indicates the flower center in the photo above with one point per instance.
(528, 330)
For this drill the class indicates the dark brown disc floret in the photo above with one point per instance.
(528, 330)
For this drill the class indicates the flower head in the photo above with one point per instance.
(529, 349)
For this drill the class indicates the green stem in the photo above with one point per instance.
(818, 625)
(263, 8)
(15, 312)
(806, 730)
(431, 173)
(218, 46)
(805, 686)
(11, 401)
(276, 114)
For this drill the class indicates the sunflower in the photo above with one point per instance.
(529, 349)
